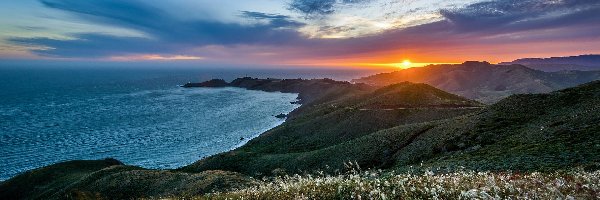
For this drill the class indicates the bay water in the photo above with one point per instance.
(138, 116)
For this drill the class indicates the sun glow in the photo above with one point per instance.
(406, 63)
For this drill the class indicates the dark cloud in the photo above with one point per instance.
(312, 6)
(518, 15)
(165, 32)
(97, 45)
(274, 20)
(319, 7)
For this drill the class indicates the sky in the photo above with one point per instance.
(339, 33)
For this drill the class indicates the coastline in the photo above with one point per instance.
(246, 140)
(188, 137)
(348, 122)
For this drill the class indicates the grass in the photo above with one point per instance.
(44, 182)
(110, 179)
(577, 184)
(542, 132)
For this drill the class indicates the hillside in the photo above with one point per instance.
(523, 132)
(400, 128)
(554, 64)
(323, 136)
(111, 179)
(483, 81)
(543, 132)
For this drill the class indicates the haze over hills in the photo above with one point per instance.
(553, 64)
(483, 81)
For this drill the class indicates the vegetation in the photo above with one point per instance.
(543, 132)
(110, 179)
(426, 142)
(327, 134)
(44, 182)
(428, 185)
(535, 132)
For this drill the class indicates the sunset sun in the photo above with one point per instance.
(406, 63)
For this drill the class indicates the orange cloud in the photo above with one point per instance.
(155, 57)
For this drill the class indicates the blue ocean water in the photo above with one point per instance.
(138, 116)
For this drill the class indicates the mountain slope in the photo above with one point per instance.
(542, 132)
(111, 179)
(484, 82)
(306, 141)
(531, 132)
(553, 64)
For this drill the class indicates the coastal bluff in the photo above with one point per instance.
(309, 91)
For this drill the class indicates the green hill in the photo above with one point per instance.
(523, 132)
(529, 132)
(321, 137)
(110, 179)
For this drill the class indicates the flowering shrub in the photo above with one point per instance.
(457, 185)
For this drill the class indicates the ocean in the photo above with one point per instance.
(138, 116)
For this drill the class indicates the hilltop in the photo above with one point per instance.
(483, 81)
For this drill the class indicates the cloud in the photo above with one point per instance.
(491, 26)
(482, 27)
(165, 32)
(319, 7)
(517, 15)
(95, 46)
(276, 21)
(155, 57)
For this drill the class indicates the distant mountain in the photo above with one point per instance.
(483, 81)
(553, 64)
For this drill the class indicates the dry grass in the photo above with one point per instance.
(457, 185)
